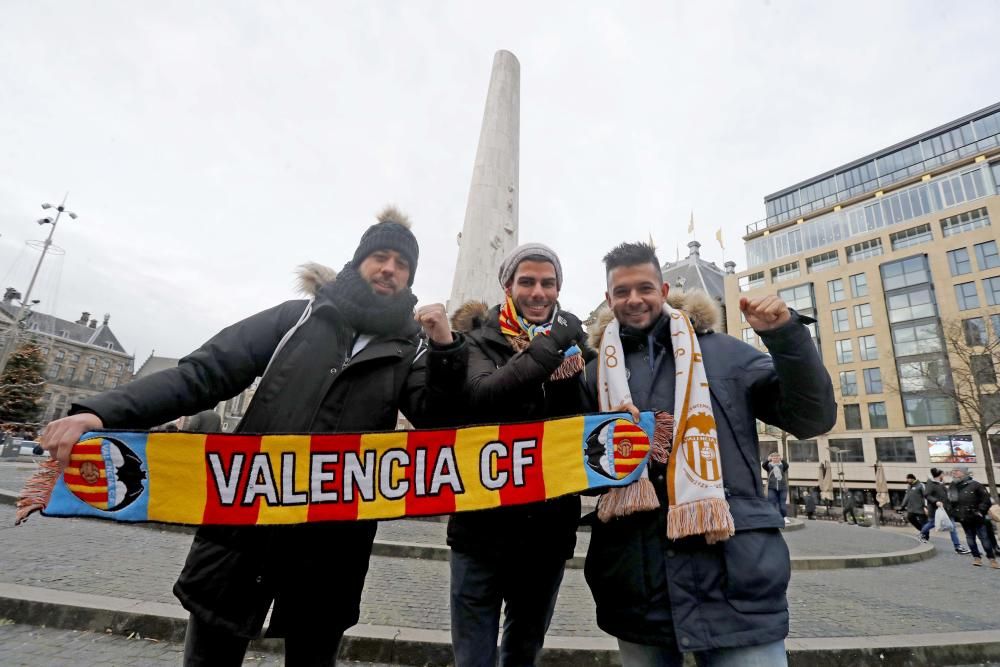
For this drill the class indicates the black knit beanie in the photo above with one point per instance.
(391, 232)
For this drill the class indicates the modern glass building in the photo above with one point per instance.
(889, 252)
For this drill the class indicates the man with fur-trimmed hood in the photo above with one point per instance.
(345, 360)
(690, 558)
(525, 359)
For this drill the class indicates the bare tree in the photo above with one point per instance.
(971, 384)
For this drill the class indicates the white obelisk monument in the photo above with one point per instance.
(490, 229)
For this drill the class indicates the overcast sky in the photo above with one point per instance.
(211, 147)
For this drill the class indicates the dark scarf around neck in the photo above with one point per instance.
(368, 312)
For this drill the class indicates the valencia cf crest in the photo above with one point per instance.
(104, 473)
(616, 447)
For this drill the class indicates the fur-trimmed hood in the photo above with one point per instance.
(704, 311)
(311, 276)
(470, 316)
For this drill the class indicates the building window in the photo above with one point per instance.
(751, 281)
(916, 339)
(905, 273)
(54, 371)
(965, 222)
(965, 294)
(863, 316)
(803, 451)
(987, 256)
(911, 237)
(749, 337)
(864, 250)
(88, 376)
(859, 285)
(845, 352)
(825, 260)
(922, 375)
(975, 331)
(868, 348)
(873, 380)
(840, 322)
(105, 364)
(70, 372)
(848, 383)
(995, 323)
(119, 367)
(60, 355)
(102, 377)
(800, 297)
(895, 450)
(75, 357)
(994, 439)
(876, 416)
(765, 448)
(91, 362)
(852, 450)
(913, 305)
(929, 411)
(852, 417)
(958, 261)
(982, 369)
(836, 290)
(992, 287)
(114, 383)
(785, 272)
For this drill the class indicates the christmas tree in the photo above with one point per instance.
(22, 385)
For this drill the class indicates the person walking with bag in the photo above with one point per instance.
(936, 495)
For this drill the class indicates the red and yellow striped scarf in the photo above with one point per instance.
(519, 332)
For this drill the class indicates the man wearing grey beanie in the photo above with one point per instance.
(526, 357)
(971, 501)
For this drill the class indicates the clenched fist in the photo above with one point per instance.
(434, 320)
(765, 313)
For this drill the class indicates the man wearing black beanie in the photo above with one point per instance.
(344, 360)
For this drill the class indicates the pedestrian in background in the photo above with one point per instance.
(971, 502)
(913, 503)
(777, 482)
(936, 495)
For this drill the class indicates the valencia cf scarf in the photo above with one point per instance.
(697, 500)
(239, 479)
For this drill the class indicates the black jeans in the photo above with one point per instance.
(977, 528)
(917, 520)
(849, 511)
(527, 582)
(208, 646)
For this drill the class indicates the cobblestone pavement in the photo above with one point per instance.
(28, 645)
(105, 558)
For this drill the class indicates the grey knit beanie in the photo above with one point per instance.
(509, 265)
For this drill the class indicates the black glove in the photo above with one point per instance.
(567, 330)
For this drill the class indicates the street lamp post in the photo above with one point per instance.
(11, 343)
(838, 454)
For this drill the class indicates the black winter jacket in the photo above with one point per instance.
(314, 385)
(504, 386)
(970, 501)
(772, 481)
(651, 590)
(935, 492)
(913, 499)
